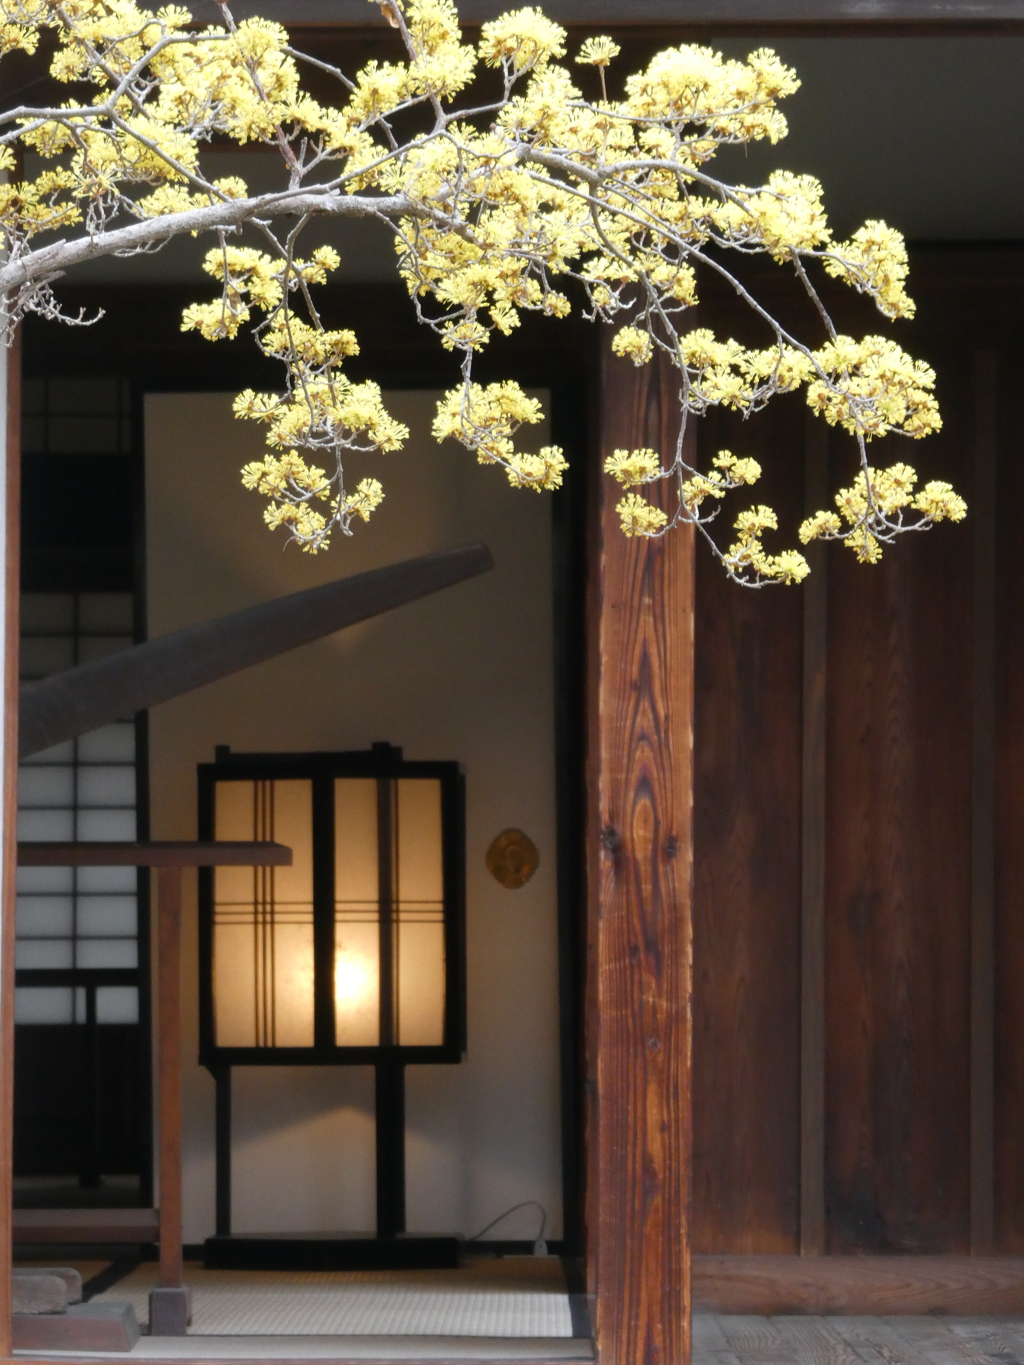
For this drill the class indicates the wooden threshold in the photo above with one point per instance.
(389, 1350)
(855, 1285)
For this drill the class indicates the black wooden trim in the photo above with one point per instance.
(453, 827)
(140, 615)
(222, 1153)
(570, 413)
(77, 976)
(214, 1057)
(206, 827)
(386, 949)
(323, 911)
(389, 1092)
(724, 13)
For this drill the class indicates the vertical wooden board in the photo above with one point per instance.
(985, 415)
(747, 745)
(1009, 828)
(813, 821)
(641, 823)
(898, 865)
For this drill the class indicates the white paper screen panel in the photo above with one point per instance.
(419, 896)
(263, 919)
(356, 913)
(85, 789)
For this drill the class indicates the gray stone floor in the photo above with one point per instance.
(736, 1340)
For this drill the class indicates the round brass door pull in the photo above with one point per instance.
(512, 858)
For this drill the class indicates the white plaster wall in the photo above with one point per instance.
(467, 675)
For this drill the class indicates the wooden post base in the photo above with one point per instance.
(170, 1311)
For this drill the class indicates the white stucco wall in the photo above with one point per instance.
(464, 675)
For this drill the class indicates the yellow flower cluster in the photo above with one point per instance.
(693, 85)
(634, 467)
(747, 560)
(872, 387)
(325, 413)
(639, 518)
(524, 40)
(634, 343)
(544, 197)
(728, 472)
(874, 261)
(875, 508)
(786, 216)
(486, 421)
(335, 416)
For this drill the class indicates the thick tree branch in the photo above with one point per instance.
(46, 261)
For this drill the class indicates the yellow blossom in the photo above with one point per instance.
(638, 517)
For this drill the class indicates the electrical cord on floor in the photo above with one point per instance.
(540, 1246)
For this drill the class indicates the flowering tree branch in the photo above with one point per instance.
(525, 203)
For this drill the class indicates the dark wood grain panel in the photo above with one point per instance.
(898, 880)
(813, 825)
(747, 872)
(1008, 927)
(640, 927)
(985, 405)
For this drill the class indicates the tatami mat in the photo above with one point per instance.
(494, 1299)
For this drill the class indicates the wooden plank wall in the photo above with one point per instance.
(746, 1018)
(1009, 841)
(922, 1036)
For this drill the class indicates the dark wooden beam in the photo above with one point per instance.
(983, 867)
(726, 14)
(78, 700)
(84, 1226)
(812, 890)
(640, 832)
(155, 853)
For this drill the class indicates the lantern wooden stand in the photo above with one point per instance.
(354, 956)
(169, 1307)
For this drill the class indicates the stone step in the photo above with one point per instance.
(84, 1327)
(28, 1286)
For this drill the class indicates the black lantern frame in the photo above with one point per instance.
(385, 764)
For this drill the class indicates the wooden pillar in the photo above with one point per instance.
(169, 1311)
(10, 384)
(641, 631)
